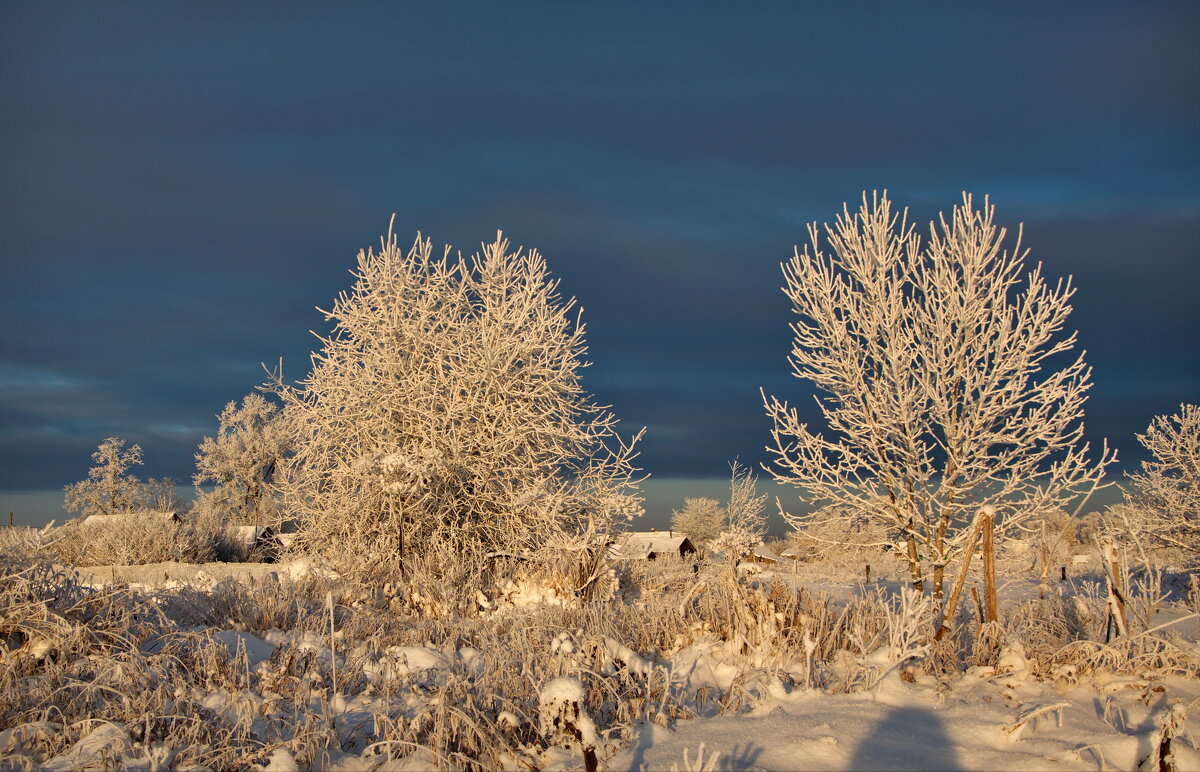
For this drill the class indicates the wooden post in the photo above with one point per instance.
(868, 572)
(1116, 602)
(989, 564)
(1064, 573)
(978, 604)
(10, 525)
(952, 604)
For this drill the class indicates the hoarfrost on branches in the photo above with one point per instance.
(1165, 496)
(942, 392)
(746, 519)
(446, 408)
(241, 460)
(109, 488)
(702, 519)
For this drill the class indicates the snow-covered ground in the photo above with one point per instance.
(291, 671)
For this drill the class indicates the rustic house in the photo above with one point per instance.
(649, 545)
(263, 540)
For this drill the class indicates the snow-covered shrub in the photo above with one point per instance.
(446, 408)
(77, 659)
(138, 538)
(944, 387)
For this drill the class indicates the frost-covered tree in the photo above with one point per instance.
(1165, 495)
(240, 461)
(161, 494)
(943, 382)
(446, 407)
(109, 488)
(745, 515)
(702, 519)
(746, 511)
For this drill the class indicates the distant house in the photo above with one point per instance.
(148, 516)
(761, 554)
(264, 539)
(649, 545)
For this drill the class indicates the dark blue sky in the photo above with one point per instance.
(184, 183)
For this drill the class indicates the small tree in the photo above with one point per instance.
(109, 488)
(446, 408)
(701, 519)
(161, 494)
(942, 392)
(746, 520)
(240, 460)
(1165, 495)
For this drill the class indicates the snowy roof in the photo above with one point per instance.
(141, 515)
(641, 545)
(249, 535)
(765, 553)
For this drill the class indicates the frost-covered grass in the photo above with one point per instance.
(293, 666)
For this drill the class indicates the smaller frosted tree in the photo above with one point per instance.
(109, 488)
(241, 460)
(1165, 495)
(701, 519)
(946, 377)
(161, 494)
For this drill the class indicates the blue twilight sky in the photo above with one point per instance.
(183, 183)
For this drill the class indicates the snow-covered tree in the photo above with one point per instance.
(942, 380)
(240, 461)
(1165, 495)
(702, 519)
(446, 406)
(109, 488)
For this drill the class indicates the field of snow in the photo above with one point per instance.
(278, 667)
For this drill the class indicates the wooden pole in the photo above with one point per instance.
(952, 604)
(989, 564)
(1116, 602)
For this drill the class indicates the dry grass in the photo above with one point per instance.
(75, 658)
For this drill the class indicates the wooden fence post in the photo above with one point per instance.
(952, 604)
(989, 565)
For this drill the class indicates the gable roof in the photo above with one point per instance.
(141, 515)
(640, 545)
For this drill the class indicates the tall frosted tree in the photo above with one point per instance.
(446, 408)
(945, 378)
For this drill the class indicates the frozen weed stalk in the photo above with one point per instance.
(564, 718)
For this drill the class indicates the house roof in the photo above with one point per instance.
(141, 515)
(641, 544)
(249, 535)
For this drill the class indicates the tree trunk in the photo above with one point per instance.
(914, 564)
